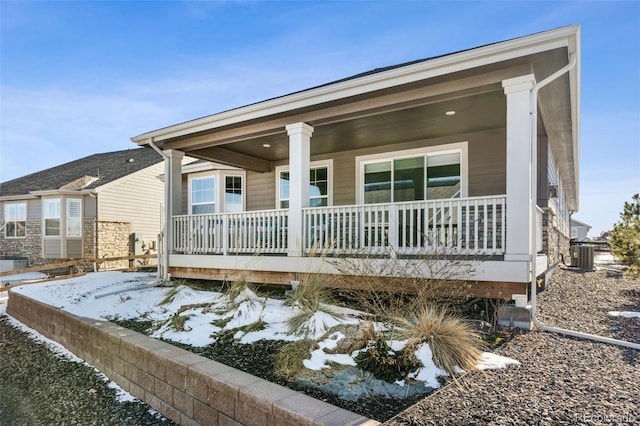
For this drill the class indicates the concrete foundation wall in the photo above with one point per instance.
(187, 388)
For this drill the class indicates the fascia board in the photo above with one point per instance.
(18, 197)
(61, 192)
(444, 65)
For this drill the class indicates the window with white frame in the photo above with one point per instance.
(233, 193)
(74, 217)
(319, 185)
(217, 191)
(420, 174)
(15, 220)
(52, 217)
(203, 195)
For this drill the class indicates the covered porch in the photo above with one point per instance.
(442, 155)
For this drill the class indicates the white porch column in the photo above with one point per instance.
(520, 166)
(172, 197)
(299, 164)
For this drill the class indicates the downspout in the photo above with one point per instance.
(533, 142)
(163, 271)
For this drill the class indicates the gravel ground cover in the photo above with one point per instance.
(39, 387)
(561, 380)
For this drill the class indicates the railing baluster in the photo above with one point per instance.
(465, 225)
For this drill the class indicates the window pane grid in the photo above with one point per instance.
(52, 217)
(203, 195)
(15, 215)
(74, 218)
(318, 187)
(424, 177)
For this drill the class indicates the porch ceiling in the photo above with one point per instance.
(400, 104)
(473, 113)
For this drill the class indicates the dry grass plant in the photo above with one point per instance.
(311, 296)
(453, 342)
(289, 361)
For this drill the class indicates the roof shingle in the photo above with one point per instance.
(107, 167)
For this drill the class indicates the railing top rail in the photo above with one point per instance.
(248, 212)
(410, 203)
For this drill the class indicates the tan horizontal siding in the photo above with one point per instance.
(136, 199)
(52, 247)
(487, 169)
(261, 191)
(90, 205)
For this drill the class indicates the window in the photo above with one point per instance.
(15, 220)
(52, 217)
(74, 217)
(423, 174)
(203, 195)
(443, 176)
(216, 191)
(319, 185)
(233, 193)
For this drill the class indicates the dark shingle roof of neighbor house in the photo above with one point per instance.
(108, 166)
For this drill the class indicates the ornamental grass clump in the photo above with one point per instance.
(289, 361)
(453, 342)
(310, 298)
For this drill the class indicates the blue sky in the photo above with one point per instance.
(81, 77)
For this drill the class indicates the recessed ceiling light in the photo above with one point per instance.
(450, 112)
(266, 145)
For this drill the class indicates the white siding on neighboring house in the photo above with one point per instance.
(136, 199)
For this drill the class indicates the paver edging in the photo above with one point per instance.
(185, 387)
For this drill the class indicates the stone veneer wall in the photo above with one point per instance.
(30, 246)
(88, 238)
(187, 388)
(114, 240)
(555, 243)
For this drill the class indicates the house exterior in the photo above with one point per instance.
(579, 230)
(475, 153)
(104, 205)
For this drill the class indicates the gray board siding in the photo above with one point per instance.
(487, 169)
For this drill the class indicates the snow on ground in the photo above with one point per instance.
(18, 278)
(109, 295)
(625, 314)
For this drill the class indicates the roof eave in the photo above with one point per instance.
(430, 68)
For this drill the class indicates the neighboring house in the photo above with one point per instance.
(103, 205)
(440, 153)
(579, 230)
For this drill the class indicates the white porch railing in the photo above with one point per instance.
(461, 225)
(231, 233)
(473, 225)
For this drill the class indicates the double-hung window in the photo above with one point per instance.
(233, 194)
(203, 195)
(52, 217)
(216, 192)
(319, 185)
(423, 174)
(15, 220)
(74, 217)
